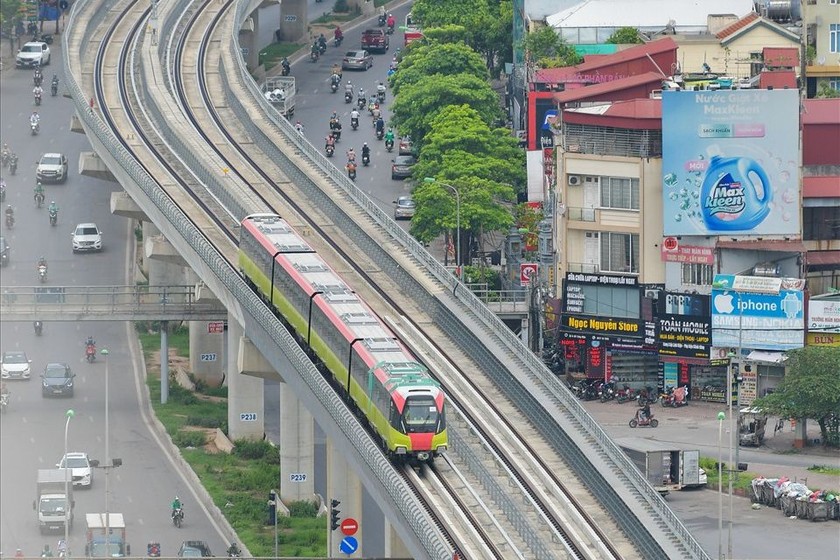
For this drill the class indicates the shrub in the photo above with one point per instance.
(341, 6)
(303, 508)
(189, 438)
(250, 449)
(180, 395)
(204, 422)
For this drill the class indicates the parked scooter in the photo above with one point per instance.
(625, 394)
(607, 392)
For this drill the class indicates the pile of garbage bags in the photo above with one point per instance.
(795, 499)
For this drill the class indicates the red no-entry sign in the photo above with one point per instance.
(349, 526)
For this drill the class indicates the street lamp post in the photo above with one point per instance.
(732, 442)
(457, 224)
(720, 418)
(67, 505)
(105, 353)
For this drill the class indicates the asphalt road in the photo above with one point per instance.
(32, 432)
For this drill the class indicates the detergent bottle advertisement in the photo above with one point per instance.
(730, 162)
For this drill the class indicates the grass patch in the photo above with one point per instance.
(238, 483)
(179, 339)
(273, 54)
(329, 18)
(825, 469)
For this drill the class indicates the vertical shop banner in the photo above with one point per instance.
(824, 316)
(730, 162)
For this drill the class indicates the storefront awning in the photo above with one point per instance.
(775, 245)
(767, 357)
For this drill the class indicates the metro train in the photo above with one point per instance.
(381, 379)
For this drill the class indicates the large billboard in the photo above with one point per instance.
(759, 321)
(730, 162)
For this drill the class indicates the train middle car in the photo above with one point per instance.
(384, 382)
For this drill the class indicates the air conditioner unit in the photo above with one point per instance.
(652, 294)
(575, 180)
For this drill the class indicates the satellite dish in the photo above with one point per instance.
(821, 61)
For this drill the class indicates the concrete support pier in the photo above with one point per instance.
(343, 485)
(246, 411)
(394, 547)
(297, 449)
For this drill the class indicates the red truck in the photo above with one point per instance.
(375, 40)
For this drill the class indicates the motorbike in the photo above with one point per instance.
(380, 133)
(348, 97)
(53, 217)
(5, 158)
(38, 100)
(37, 78)
(380, 95)
(351, 172)
(624, 394)
(644, 422)
(42, 273)
(337, 41)
(322, 47)
(647, 396)
(39, 199)
(337, 134)
(314, 55)
(365, 160)
(2, 193)
(4, 401)
(10, 221)
(287, 69)
(390, 30)
(34, 127)
(54, 89)
(334, 87)
(673, 398)
(330, 151)
(354, 123)
(39, 327)
(13, 165)
(389, 144)
(361, 103)
(382, 20)
(90, 355)
(178, 517)
(607, 392)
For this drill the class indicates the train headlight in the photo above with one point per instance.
(400, 450)
(440, 449)
(423, 456)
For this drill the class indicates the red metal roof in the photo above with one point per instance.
(737, 26)
(599, 90)
(778, 79)
(633, 114)
(821, 187)
(822, 257)
(778, 245)
(780, 57)
(555, 75)
(821, 111)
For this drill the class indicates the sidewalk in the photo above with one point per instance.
(696, 427)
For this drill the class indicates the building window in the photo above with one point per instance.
(834, 38)
(834, 84)
(620, 193)
(697, 274)
(619, 252)
(820, 223)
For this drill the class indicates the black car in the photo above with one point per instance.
(57, 381)
(4, 251)
(194, 549)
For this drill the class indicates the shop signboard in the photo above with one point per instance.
(603, 325)
(824, 316)
(760, 321)
(674, 251)
(822, 339)
(748, 387)
(684, 336)
(730, 162)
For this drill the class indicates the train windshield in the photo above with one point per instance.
(420, 415)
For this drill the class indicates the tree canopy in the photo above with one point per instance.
(8, 13)
(547, 49)
(810, 389)
(625, 36)
(428, 60)
(418, 104)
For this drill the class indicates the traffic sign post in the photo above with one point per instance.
(348, 545)
(349, 526)
(527, 271)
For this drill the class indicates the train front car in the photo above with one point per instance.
(417, 420)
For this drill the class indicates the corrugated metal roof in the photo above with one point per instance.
(821, 111)
(749, 21)
(592, 64)
(738, 25)
(780, 56)
(821, 186)
(579, 94)
(776, 245)
(777, 79)
(646, 13)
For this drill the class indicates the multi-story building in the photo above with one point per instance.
(821, 25)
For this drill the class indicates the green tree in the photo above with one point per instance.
(418, 104)
(9, 13)
(827, 92)
(429, 60)
(810, 389)
(547, 49)
(461, 144)
(625, 36)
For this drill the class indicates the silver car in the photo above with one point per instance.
(404, 208)
(15, 365)
(357, 60)
(87, 237)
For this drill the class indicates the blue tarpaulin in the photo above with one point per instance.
(49, 13)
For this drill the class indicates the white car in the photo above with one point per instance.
(80, 468)
(52, 168)
(32, 54)
(87, 237)
(15, 365)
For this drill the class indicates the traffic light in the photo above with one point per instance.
(272, 507)
(335, 520)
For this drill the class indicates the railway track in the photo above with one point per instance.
(483, 518)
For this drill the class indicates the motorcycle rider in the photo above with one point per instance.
(336, 69)
(42, 261)
(644, 412)
(379, 125)
(380, 91)
(351, 169)
(348, 89)
(389, 136)
(315, 50)
(233, 551)
(39, 190)
(13, 161)
(35, 118)
(391, 22)
(322, 42)
(10, 213)
(4, 391)
(335, 79)
(54, 84)
(351, 156)
(53, 208)
(37, 77)
(339, 35)
(176, 505)
(46, 553)
(354, 118)
(365, 152)
(299, 128)
(287, 68)
(37, 91)
(61, 548)
(376, 113)
(329, 142)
